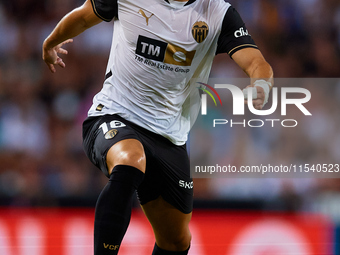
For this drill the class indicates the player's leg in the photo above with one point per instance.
(126, 166)
(126, 152)
(169, 213)
(166, 196)
(171, 227)
(113, 146)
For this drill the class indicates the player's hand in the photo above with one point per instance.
(258, 101)
(50, 55)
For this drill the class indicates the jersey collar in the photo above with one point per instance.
(189, 2)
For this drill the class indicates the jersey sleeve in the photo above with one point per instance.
(105, 9)
(234, 34)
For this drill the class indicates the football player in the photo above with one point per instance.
(138, 125)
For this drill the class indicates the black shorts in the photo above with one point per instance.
(167, 171)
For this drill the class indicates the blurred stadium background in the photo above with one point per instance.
(48, 188)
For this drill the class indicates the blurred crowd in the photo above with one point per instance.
(41, 158)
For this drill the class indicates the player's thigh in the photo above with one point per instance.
(171, 226)
(126, 152)
(110, 140)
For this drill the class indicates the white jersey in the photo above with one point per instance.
(159, 52)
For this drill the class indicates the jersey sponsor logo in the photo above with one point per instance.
(178, 56)
(200, 31)
(144, 15)
(163, 52)
(186, 185)
(150, 48)
(241, 32)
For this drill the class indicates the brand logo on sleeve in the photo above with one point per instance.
(241, 32)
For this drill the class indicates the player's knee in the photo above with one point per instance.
(179, 242)
(184, 243)
(132, 158)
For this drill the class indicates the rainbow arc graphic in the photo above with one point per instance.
(209, 93)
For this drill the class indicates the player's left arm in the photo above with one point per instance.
(235, 40)
(257, 68)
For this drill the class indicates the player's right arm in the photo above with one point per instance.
(71, 25)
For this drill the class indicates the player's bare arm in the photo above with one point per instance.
(256, 67)
(71, 25)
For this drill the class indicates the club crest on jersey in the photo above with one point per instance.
(200, 31)
(110, 134)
